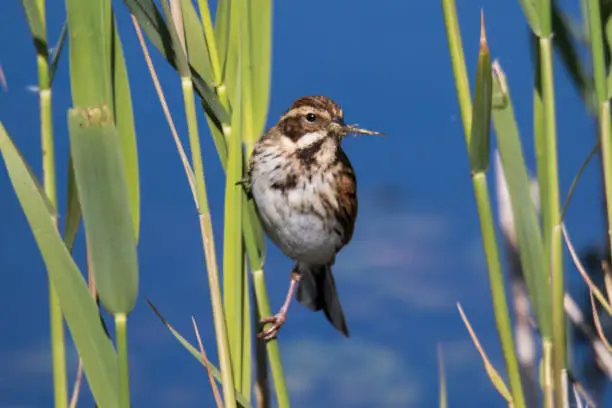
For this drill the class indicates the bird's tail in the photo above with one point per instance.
(317, 290)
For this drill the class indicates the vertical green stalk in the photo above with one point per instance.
(122, 354)
(453, 35)
(606, 152)
(58, 349)
(276, 368)
(540, 151)
(177, 32)
(478, 148)
(603, 103)
(496, 284)
(253, 248)
(209, 245)
(552, 230)
(233, 271)
(247, 336)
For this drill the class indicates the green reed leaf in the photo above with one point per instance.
(196, 353)
(260, 24)
(528, 232)
(197, 49)
(124, 122)
(80, 310)
(478, 149)
(102, 188)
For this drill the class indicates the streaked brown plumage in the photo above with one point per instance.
(306, 194)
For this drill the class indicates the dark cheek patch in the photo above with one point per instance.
(292, 128)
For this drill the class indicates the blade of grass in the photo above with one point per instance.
(531, 14)
(480, 132)
(124, 121)
(214, 370)
(211, 44)
(94, 294)
(211, 378)
(528, 233)
(260, 30)
(81, 312)
(527, 227)
(232, 45)
(73, 209)
(197, 48)
(494, 376)
(57, 52)
(102, 189)
(89, 50)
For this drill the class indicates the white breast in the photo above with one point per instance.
(295, 219)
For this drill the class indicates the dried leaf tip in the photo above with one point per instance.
(483, 36)
(498, 73)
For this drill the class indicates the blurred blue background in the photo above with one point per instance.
(416, 250)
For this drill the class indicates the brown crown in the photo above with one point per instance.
(319, 102)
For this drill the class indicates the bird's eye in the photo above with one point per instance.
(311, 117)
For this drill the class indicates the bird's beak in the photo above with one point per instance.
(338, 125)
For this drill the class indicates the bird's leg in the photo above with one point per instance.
(278, 319)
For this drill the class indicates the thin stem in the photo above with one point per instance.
(276, 368)
(498, 292)
(122, 355)
(599, 73)
(58, 342)
(554, 215)
(606, 155)
(458, 61)
(209, 245)
(548, 386)
(483, 202)
(597, 50)
(233, 272)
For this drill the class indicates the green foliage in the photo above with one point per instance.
(103, 194)
(80, 310)
(536, 240)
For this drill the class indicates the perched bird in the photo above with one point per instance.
(306, 194)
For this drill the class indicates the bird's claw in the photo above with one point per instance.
(246, 185)
(277, 322)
